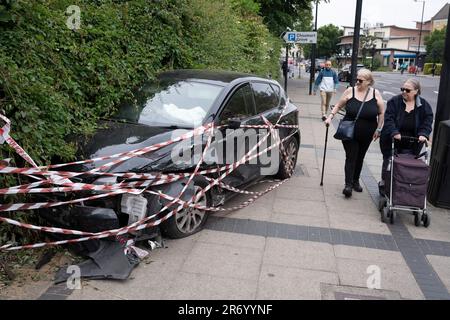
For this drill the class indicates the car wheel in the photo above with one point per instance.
(188, 220)
(287, 165)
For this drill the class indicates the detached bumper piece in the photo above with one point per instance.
(108, 262)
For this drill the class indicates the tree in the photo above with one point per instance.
(281, 14)
(367, 42)
(435, 44)
(327, 40)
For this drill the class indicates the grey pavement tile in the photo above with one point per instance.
(251, 241)
(302, 233)
(325, 235)
(240, 226)
(52, 296)
(336, 236)
(89, 292)
(188, 286)
(393, 277)
(223, 261)
(299, 254)
(288, 283)
(313, 234)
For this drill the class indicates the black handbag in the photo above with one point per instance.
(346, 128)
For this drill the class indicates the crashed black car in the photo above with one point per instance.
(177, 102)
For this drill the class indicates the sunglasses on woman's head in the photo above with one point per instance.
(406, 90)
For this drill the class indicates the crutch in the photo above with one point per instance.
(324, 154)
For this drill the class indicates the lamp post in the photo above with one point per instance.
(356, 41)
(312, 69)
(420, 33)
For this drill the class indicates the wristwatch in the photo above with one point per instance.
(379, 130)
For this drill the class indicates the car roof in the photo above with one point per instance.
(217, 77)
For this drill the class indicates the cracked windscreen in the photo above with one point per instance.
(180, 104)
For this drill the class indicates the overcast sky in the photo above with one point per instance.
(402, 13)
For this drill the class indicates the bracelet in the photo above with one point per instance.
(379, 130)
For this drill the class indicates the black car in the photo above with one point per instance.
(173, 104)
(345, 73)
(320, 64)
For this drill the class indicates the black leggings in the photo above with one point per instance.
(355, 151)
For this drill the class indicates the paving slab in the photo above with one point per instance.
(300, 254)
(287, 283)
(224, 261)
(393, 277)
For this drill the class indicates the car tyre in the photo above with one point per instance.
(287, 166)
(188, 221)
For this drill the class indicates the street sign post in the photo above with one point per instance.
(300, 37)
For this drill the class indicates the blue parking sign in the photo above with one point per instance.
(291, 36)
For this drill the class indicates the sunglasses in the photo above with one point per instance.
(406, 90)
(360, 80)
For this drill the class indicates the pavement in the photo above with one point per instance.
(301, 241)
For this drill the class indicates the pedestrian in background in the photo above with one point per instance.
(367, 127)
(327, 82)
(407, 114)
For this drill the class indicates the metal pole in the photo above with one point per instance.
(312, 69)
(442, 109)
(286, 72)
(420, 37)
(356, 41)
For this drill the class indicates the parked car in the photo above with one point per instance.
(174, 103)
(345, 73)
(320, 64)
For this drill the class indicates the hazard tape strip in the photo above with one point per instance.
(139, 225)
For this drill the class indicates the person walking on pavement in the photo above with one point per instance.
(327, 81)
(407, 114)
(367, 127)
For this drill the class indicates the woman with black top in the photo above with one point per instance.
(367, 127)
(407, 114)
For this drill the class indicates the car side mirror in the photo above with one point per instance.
(234, 123)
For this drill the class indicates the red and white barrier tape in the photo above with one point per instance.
(121, 188)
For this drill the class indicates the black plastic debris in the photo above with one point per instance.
(109, 262)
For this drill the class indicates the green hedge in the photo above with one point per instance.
(55, 81)
(429, 66)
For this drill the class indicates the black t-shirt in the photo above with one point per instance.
(408, 129)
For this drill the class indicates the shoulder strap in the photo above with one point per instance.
(374, 92)
(362, 104)
(353, 90)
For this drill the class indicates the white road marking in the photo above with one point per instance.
(388, 92)
(437, 92)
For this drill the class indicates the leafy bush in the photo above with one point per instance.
(429, 66)
(57, 81)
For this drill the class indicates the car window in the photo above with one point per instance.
(280, 95)
(182, 103)
(265, 97)
(239, 106)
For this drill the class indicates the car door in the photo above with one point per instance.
(237, 143)
(268, 102)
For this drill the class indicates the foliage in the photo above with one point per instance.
(427, 68)
(282, 14)
(435, 44)
(57, 81)
(327, 40)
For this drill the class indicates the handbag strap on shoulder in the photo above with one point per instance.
(362, 104)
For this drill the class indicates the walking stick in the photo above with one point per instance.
(324, 154)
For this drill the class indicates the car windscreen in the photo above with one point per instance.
(182, 103)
